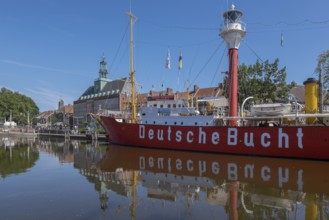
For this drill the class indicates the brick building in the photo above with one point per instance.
(103, 94)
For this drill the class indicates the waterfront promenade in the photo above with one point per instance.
(25, 132)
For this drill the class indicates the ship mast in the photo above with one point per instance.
(132, 70)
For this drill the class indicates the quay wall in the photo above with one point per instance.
(51, 133)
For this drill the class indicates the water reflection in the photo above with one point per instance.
(248, 187)
(138, 183)
(16, 155)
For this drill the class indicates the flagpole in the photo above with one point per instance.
(180, 66)
(178, 80)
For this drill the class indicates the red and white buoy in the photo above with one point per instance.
(232, 31)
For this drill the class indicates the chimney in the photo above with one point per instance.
(196, 88)
(169, 91)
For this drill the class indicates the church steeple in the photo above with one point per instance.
(103, 68)
(102, 80)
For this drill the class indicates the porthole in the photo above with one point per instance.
(182, 123)
(196, 123)
(175, 123)
(153, 122)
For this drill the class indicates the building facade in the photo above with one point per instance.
(106, 94)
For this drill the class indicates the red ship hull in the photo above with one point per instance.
(309, 142)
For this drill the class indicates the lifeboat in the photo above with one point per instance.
(272, 109)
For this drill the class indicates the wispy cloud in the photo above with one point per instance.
(47, 99)
(40, 67)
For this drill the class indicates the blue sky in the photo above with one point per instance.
(51, 49)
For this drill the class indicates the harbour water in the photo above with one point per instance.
(62, 179)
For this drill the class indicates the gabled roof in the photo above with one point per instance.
(117, 84)
(110, 88)
(207, 92)
(299, 93)
(45, 114)
(68, 109)
(89, 91)
(198, 93)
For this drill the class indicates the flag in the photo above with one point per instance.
(180, 61)
(168, 60)
(281, 39)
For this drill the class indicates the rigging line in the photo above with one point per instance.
(193, 61)
(288, 29)
(178, 46)
(180, 27)
(204, 66)
(117, 52)
(220, 61)
(290, 24)
(253, 51)
(121, 58)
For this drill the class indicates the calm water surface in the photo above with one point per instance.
(58, 179)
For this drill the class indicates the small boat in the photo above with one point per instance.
(272, 109)
(294, 135)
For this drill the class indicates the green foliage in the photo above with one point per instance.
(53, 119)
(17, 161)
(264, 81)
(101, 131)
(323, 67)
(292, 85)
(18, 105)
(83, 130)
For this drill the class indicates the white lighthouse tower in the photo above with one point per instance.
(232, 31)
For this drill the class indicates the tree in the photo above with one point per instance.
(19, 106)
(264, 81)
(322, 69)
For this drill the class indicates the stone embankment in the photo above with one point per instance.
(67, 134)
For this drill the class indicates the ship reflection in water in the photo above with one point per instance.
(246, 187)
(138, 183)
